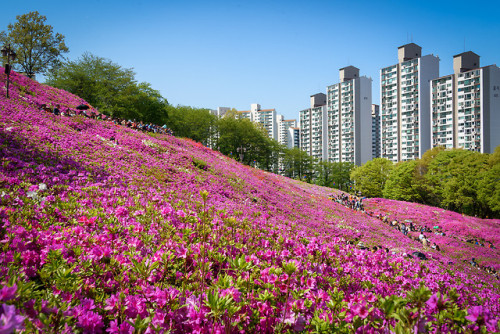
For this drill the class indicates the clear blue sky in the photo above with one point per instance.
(275, 53)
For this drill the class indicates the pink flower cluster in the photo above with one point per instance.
(98, 237)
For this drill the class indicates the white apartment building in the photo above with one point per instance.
(283, 127)
(349, 118)
(220, 111)
(293, 137)
(466, 106)
(313, 128)
(244, 114)
(405, 104)
(267, 117)
(375, 131)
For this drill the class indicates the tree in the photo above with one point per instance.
(488, 191)
(246, 142)
(149, 103)
(193, 123)
(401, 183)
(371, 177)
(341, 175)
(333, 174)
(38, 48)
(453, 176)
(298, 164)
(324, 173)
(110, 88)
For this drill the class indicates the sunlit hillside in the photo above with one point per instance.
(108, 229)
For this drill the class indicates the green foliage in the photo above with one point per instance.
(220, 305)
(193, 123)
(38, 48)
(298, 164)
(401, 183)
(56, 272)
(410, 317)
(200, 164)
(456, 179)
(453, 177)
(246, 141)
(371, 177)
(333, 174)
(110, 88)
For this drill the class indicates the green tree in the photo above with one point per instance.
(333, 174)
(371, 177)
(197, 124)
(324, 173)
(38, 48)
(151, 107)
(246, 142)
(494, 158)
(110, 88)
(401, 184)
(453, 175)
(341, 175)
(421, 184)
(298, 164)
(488, 191)
(489, 185)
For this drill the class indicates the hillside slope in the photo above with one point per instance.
(108, 229)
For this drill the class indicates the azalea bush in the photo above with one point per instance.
(104, 229)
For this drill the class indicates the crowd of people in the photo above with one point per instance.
(85, 111)
(350, 201)
(481, 243)
(354, 202)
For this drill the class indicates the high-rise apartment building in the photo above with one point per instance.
(293, 137)
(244, 114)
(283, 127)
(405, 104)
(466, 106)
(375, 131)
(313, 128)
(220, 111)
(349, 118)
(267, 117)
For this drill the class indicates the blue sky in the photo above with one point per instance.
(275, 53)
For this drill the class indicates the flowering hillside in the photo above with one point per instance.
(465, 237)
(106, 229)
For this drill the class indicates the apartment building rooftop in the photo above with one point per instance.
(409, 51)
(465, 61)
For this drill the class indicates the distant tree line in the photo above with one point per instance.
(453, 179)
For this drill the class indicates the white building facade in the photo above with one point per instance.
(313, 128)
(405, 104)
(466, 106)
(267, 117)
(349, 118)
(283, 130)
(220, 111)
(293, 137)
